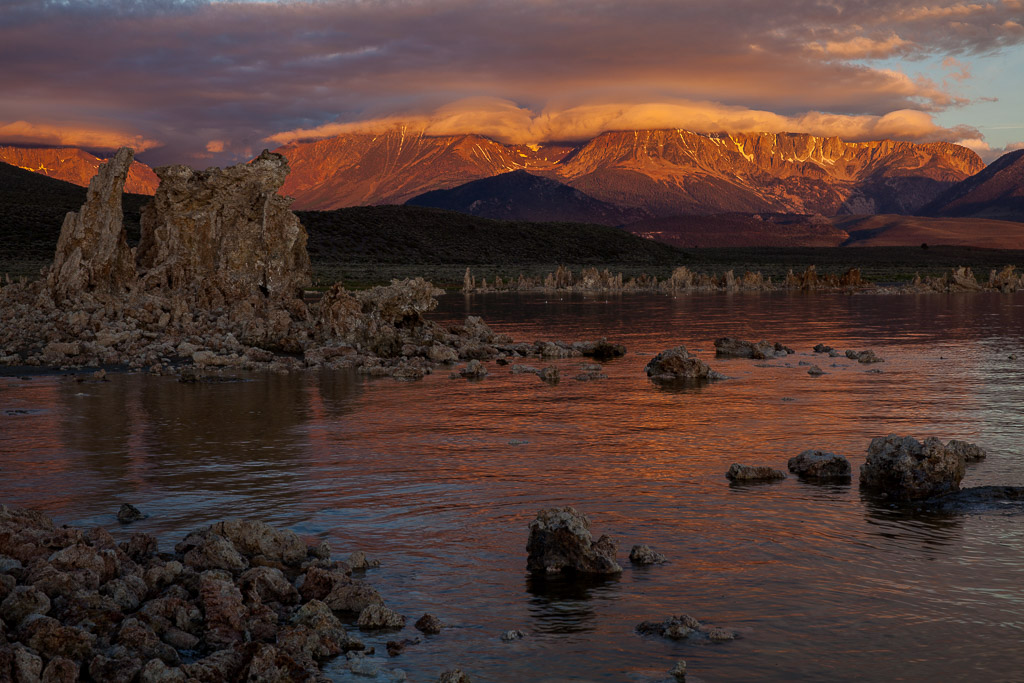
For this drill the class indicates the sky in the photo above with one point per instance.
(205, 83)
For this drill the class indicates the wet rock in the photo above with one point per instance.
(673, 628)
(815, 464)
(601, 350)
(93, 256)
(254, 538)
(866, 356)
(358, 561)
(428, 624)
(643, 555)
(815, 371)
(473, 370)
(513, 635)
(331, 637)
(677, 364)
(560, 541)
(397, 647)
(454, 676)
(550, 374)
(903, 468)
(970, 452)
(520, 369)
(678, 672)
(823, 348)
(730, 347)
(23, 601)
(129, 513)
(719, 635)
(741, 473)
(379, 617)
(338, 591)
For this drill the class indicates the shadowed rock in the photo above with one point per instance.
(92, 252)
(903, 468)
(815, 464)
(676, 364)
(560, 541)
(730, 347)
(644, 555)
(225, 234)
(741, 473)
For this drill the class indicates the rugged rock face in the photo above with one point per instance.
(815, 464)
(676, 364)
(224, 234)
(77, 604)
(738, 472)
(560, 541)
(903, 468)
(93, 256)
(729, 347)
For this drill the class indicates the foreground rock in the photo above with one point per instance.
(744, 473)
(730, 347)
(903, 468)
(238, 600)
(820, 465)
(560, 541)
(677, 365)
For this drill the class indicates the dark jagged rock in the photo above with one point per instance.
(730, 347)
(820, 465)
(742, 473)
(560, 541)
(644, 555)
(129, 513)
(676, 364)
(903, 468)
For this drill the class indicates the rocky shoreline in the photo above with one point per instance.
(218, 281)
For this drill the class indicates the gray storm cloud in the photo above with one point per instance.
(200, 79)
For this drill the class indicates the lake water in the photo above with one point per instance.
(821, 584)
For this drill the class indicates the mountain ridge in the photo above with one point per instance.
(74, 165)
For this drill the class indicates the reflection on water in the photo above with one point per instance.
(440, 478)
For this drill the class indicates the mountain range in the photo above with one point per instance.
(660, 172)
(75, 166)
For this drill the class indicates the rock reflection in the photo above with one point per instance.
(565, 603)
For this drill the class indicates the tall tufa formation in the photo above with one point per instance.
(93, 256)
(223, 235)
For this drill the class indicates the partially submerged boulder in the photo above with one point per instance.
(903, 468)
(865, 356)
(560, 541)
(642, 554)
(730, 347)
(820, 465)
(746, 473)
(677, 365)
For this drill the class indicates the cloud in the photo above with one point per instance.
(988, 153)
(25, 133)
(506, 122)
(190, 72)
(215, 146)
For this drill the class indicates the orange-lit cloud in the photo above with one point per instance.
(25, 133)
(193, 73)
(988, 153)
(506, 122)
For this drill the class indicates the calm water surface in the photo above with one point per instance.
(821, 584)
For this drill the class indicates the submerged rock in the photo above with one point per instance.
(129, 513)
(903, 468)
(815, 464)
(730, 347)
(678, 672)
(677, 364)
(644, 555)
(738, 472)
(513, 635)
(866, 356)
(682, 627)
(560, 541)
